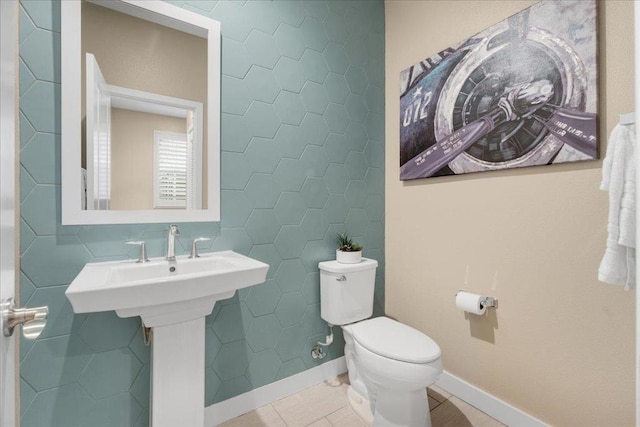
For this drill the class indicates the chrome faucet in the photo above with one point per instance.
(171, 242)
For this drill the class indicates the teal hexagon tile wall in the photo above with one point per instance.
(302, 159)
(263, 367)
(314, 129)
(291, 367)
(26, 78)
(267, 254)
(313, 33)
(310, 291)
(114, 411)
(290, 174)
(110, 373)
(26, 26)
(66, 405)
(338, 62)
(263, 299)
(43, 14)
(263, 154)
(288, 72)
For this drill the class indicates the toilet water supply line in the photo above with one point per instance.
(316, 351)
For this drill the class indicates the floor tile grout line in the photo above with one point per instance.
(435, 398)
(435, 410)
(340, 409)
(277, 413)
(438, 404)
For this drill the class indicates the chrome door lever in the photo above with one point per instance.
(33, 320)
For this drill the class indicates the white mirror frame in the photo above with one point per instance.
(164, 14)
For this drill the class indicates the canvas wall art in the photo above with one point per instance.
(521, 93)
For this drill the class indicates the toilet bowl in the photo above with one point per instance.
(390, 364)
(395, 376)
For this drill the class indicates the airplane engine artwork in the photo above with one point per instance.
(521, 93)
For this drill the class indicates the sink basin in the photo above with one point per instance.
(161, 292)
(173, 299)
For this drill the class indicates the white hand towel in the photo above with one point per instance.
(618, 177)
(627, 221)
(608, 158)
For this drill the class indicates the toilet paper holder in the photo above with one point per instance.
(486, 301)
(489, 302)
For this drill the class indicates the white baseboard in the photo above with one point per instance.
(246, 402)
(487, 403)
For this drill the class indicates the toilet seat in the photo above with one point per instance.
(394, 340)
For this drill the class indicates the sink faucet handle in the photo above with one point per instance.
(194, 246)
(143, 250)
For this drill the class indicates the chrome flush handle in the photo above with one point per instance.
(33, 320)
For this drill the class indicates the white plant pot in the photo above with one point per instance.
(348, 257)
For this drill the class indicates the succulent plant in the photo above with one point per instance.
(345, 243)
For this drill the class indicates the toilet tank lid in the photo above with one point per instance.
(338, 267)
(389, 338)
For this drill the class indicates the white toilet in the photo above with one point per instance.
(390, 364)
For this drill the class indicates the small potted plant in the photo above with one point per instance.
(348, 252)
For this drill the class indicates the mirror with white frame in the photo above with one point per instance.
(140, 113)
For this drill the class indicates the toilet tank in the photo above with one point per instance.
(346, 291)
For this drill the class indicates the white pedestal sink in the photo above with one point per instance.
(173, 298)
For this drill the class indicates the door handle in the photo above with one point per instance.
(33, 320)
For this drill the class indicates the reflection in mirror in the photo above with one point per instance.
(140, 113)
(145, 96)
(128, 131)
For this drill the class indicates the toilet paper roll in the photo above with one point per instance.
(472, 303)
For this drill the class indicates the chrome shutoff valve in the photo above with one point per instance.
(317, 352)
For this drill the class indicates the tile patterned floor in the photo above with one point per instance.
(325, 405)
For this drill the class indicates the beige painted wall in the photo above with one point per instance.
(132, 156)
(561, 344)
(158, 59)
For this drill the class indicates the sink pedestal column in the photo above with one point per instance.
(173, 299)
(177, 374)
